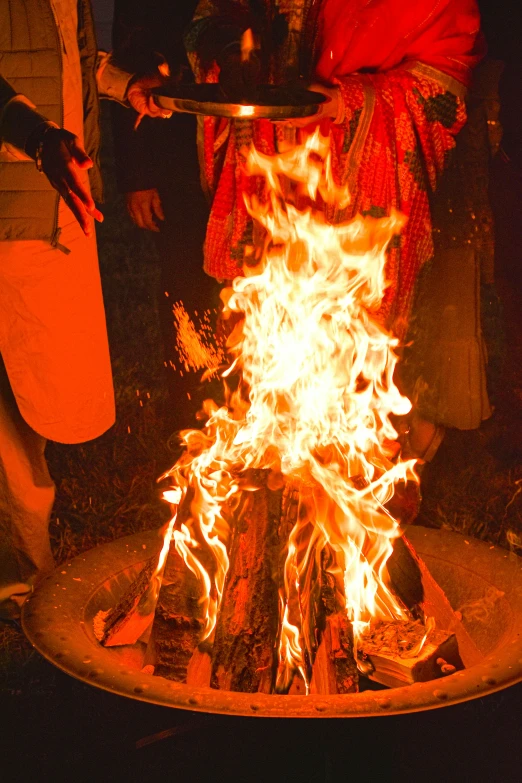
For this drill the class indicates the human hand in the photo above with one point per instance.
(139, 95)
(144, 208)
(61, 155)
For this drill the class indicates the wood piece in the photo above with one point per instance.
(298, 686)
(178, 622)
(414, 585)
(335, 669)
(199, 669)
(389, 649)
(134, 612)
(244, 650)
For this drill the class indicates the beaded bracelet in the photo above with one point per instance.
(39, 146)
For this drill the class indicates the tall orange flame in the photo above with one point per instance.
(313, 403)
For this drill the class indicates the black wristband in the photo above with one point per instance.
(35, 139)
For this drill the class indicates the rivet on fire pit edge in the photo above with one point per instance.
(255, 707)
(193, 701)
(95, 672)
(442, 695)
(489, 680)
(321, 707)
(141, 688)
(384, 704)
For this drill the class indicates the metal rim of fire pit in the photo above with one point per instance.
(54, 619)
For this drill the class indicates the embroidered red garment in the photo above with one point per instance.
(402, 66)
(382, 34)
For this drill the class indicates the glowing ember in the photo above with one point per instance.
(195, 348)
(312, 401)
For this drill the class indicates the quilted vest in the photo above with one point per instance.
(31, 61)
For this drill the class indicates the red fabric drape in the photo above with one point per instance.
(407, 115)
(378, 35)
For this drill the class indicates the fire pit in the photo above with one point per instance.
(484, 583)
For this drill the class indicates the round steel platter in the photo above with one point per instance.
(58, 620)
(269, 102)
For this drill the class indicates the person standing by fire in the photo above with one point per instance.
(158, 171)
(55, 374)
(395, 74)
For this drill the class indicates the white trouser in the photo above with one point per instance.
(26, 500)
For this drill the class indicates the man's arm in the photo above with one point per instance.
(19, 118)
(56, 152)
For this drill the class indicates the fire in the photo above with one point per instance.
(247, 44)
(313, 397)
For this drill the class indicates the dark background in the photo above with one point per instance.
(55, 728)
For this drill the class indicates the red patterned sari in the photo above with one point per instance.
(403, 67)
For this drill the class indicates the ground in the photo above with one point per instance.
(57, 727)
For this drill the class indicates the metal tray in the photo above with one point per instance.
(267, 102)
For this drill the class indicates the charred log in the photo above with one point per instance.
(244, 650)
(178, 622)
(334, 668)
(134, 612)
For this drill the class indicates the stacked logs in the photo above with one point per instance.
(242, 653)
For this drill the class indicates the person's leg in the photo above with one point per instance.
(26, 500)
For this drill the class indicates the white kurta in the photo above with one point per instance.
(52, 323)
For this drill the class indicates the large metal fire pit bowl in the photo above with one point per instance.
(486, 582)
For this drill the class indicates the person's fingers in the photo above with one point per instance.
(78, 209)
(146, 211)
(152, 108)
(157, 207)
(75, 185)
(138, 217)
(131, 210)
(97, 215)
(138, 121)
(148, 216)
(79, 156)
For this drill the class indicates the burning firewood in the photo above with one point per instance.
(396, 654)
(178, 620)
(415, 586)
(126, 622)
(244, 648)
(334, 666)
(335, 669)
(270, 590)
